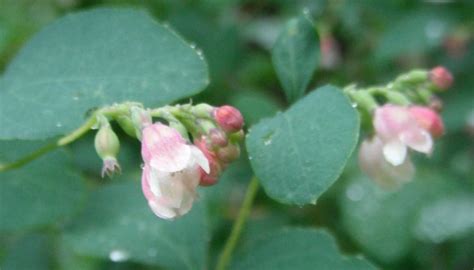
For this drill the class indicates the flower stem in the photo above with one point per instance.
(239, 223)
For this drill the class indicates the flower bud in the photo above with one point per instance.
(229, 153)
(237, 136)
(211, 177)
(202, 110)
(125, 122)
(441, 78)
(141, 118)
(330, 52)
(228, 118)
(107, 146)
(428, 119)
(218, 137)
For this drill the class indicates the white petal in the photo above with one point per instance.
(162, 211)
(395, 152)
(418, 140)
(200, 158)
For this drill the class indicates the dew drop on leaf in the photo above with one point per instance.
(118, 255)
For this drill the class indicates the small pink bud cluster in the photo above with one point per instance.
(220, 145)
(384, 157)
(441, 78)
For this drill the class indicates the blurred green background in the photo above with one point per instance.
(429, 224)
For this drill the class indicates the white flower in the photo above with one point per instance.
(172, 171)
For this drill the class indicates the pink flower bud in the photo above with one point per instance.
(330, 52)
(428, 119)
(218, 137)
(372, 162)
(398, 129)
(172, 171)
(229, 153)
(228, 118)
(441, 78)
(212, 176)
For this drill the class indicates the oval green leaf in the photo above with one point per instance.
(297, 249)
(118, 224)
(295, 56)
(94, 58)
(299, 154)
(42, 192)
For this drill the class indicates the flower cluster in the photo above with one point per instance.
(188, 146)
(409, 121)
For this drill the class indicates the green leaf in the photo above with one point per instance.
(446, 218)
(254, 106)
(90, 59)
(42, 192)
(382, 222)
(295, 56)
(118, 221)
(296, 249)
(32, 251)
(413, 33)
(299, 154)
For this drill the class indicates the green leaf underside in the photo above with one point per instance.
(43, 192)
(94, 58)
(299, 154)
(296, 248)
(117, 218)
(383, 222)
(446, 218)
(295, 56)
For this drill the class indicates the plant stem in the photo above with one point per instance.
(239, 223)
(78, 132)
(32, 156)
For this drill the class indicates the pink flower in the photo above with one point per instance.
(229, 118)
(428, 119)
(172, 171)
(372, 161)
(398, 130)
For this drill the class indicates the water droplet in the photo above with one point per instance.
(142, 166)
(355, 192)
(58, 124)
(192, 45)
(250, 158)
(166, 24)
(267, 142)
(354, 105)
(75, 98)
(118, 255)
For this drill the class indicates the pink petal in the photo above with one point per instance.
(390, 120)
(164, 148)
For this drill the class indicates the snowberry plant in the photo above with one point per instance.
(118, 74)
